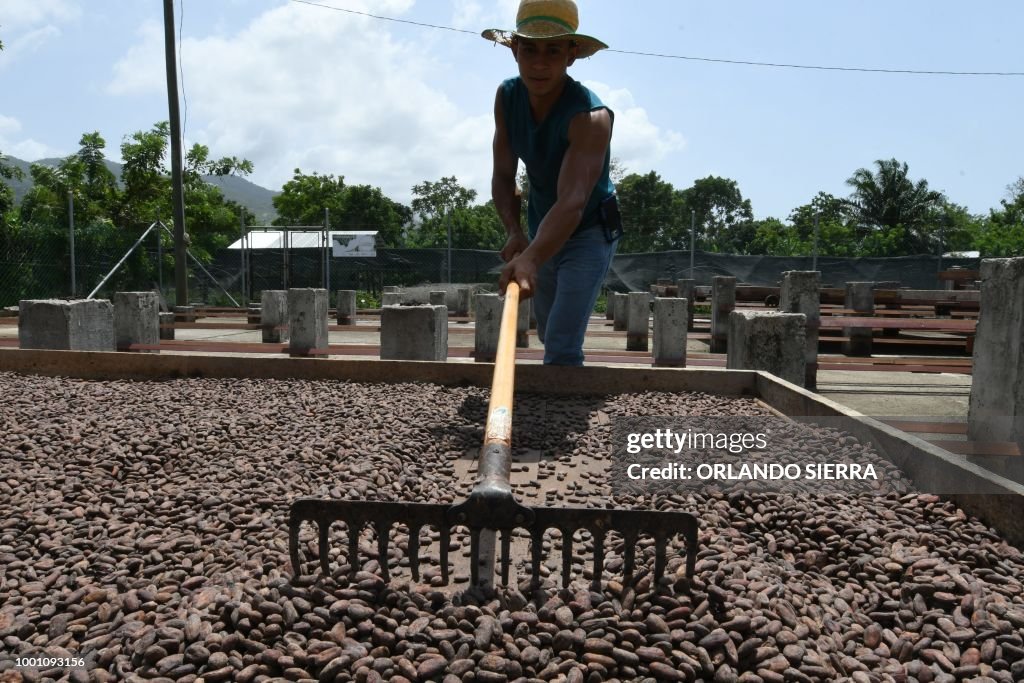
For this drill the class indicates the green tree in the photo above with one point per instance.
(652, 214)
(1002, 233)
(351, 207)
(889, 199)
(445, 203)
(724, 217)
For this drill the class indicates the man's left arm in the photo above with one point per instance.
(589, 136)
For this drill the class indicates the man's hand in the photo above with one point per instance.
(523, 270)
(515, 245)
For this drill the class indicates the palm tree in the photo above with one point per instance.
(888, 198)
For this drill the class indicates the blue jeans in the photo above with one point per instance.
(567, 287)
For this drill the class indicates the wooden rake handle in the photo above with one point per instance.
(499, 411)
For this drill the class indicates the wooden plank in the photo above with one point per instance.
(983, 448)
(919, 427)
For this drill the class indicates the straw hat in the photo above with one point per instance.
(547, 20)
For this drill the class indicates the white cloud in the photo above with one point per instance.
(473, 15)
(25, 149)
(304, 87)
(636, 141)
(20, 15)
(28, 24)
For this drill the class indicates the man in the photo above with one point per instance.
(562, 132)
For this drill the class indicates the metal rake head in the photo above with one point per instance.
(630, 525)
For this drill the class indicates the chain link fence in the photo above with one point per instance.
(37, 265)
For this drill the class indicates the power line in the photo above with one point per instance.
(916, 72)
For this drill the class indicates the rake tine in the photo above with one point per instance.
(660, 558)
(474, 556)
(414, 552)
(354, 529)
(506, 548)
(630, 557)
(536, 548)
(445, 542)
(566, 557)
(598, 559)
(383, 533)
(324, 527)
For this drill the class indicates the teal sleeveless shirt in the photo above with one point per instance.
(542, 147)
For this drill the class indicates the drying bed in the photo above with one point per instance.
(146, 534)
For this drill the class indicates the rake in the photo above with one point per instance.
(491, 507)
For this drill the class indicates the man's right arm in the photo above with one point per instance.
(507, 200)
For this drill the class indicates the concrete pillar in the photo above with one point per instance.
(391, 299)
(438, 299)
(185, 314)
(801, 293)
(462, 305)
(523, 324)
(621, 312)
(997, 391)
(252, 314)
(82, 325)
(274, 315)
(687, 289)
(136, 320)
(860, 297)
(167, 326)
(670, 332)
(346, 308)
(723, 301)
(609, 306)
(414, 333)
(390, 289)
(307, 322)
(637, 321)
(488, 325)
(773, 342)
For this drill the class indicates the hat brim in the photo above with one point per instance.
(586, 46)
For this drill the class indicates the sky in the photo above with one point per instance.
(290, 84)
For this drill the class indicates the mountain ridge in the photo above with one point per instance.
(254, 197)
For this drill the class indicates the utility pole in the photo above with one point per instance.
(71, 236)
(178, 197)
(693, 238)
(814, 257)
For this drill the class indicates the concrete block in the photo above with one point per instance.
(414, 333)
(167, 326)
(621, 312)
(997, 391)
(462, 301)
(860, 297)
(347, 307)
(773, 342)
(55, 324)
(185, 314)
(439, 299)
(801, 293)
(670, 332)
(687, 289)
(723, 302)
(638, 321)
(523, 324)
(307, 322)
(274, 315)
(252, 315)
(136, 320)
(488, 326)
(391, 299)
(390, 289)
(609, 306)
